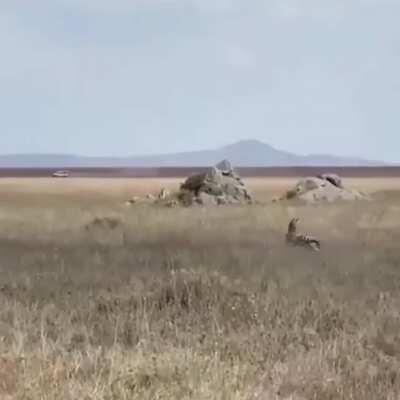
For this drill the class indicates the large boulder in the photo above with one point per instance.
(324, 188)
(218, 185)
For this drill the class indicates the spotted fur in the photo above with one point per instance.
(299, 240)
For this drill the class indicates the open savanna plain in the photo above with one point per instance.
(200, 303)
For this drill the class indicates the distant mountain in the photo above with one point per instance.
(246, 153)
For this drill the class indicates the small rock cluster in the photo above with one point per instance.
(323, 188)
(219, 185)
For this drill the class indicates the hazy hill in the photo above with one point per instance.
(246, 153)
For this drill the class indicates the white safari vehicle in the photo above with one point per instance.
(61, 174)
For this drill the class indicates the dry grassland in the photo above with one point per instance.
(195, 304)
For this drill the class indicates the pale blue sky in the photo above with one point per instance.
(102, 77)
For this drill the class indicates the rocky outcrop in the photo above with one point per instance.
(219, 185)
(324, 188)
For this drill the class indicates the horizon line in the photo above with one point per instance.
(181, 152)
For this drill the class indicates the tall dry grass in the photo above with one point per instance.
(198, 304)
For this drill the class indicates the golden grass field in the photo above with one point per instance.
(196, 303)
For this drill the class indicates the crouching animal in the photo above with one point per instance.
(299, 240)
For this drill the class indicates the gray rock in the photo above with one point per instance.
(214, 175)
(334, 179)
(309, 183)
(321, 189)
(194, 182)
(206, 199)
(219, 185)
(221, 200)
(225, 167)
(212, 188)
(186, 197)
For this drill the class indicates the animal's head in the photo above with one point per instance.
(293, 224)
